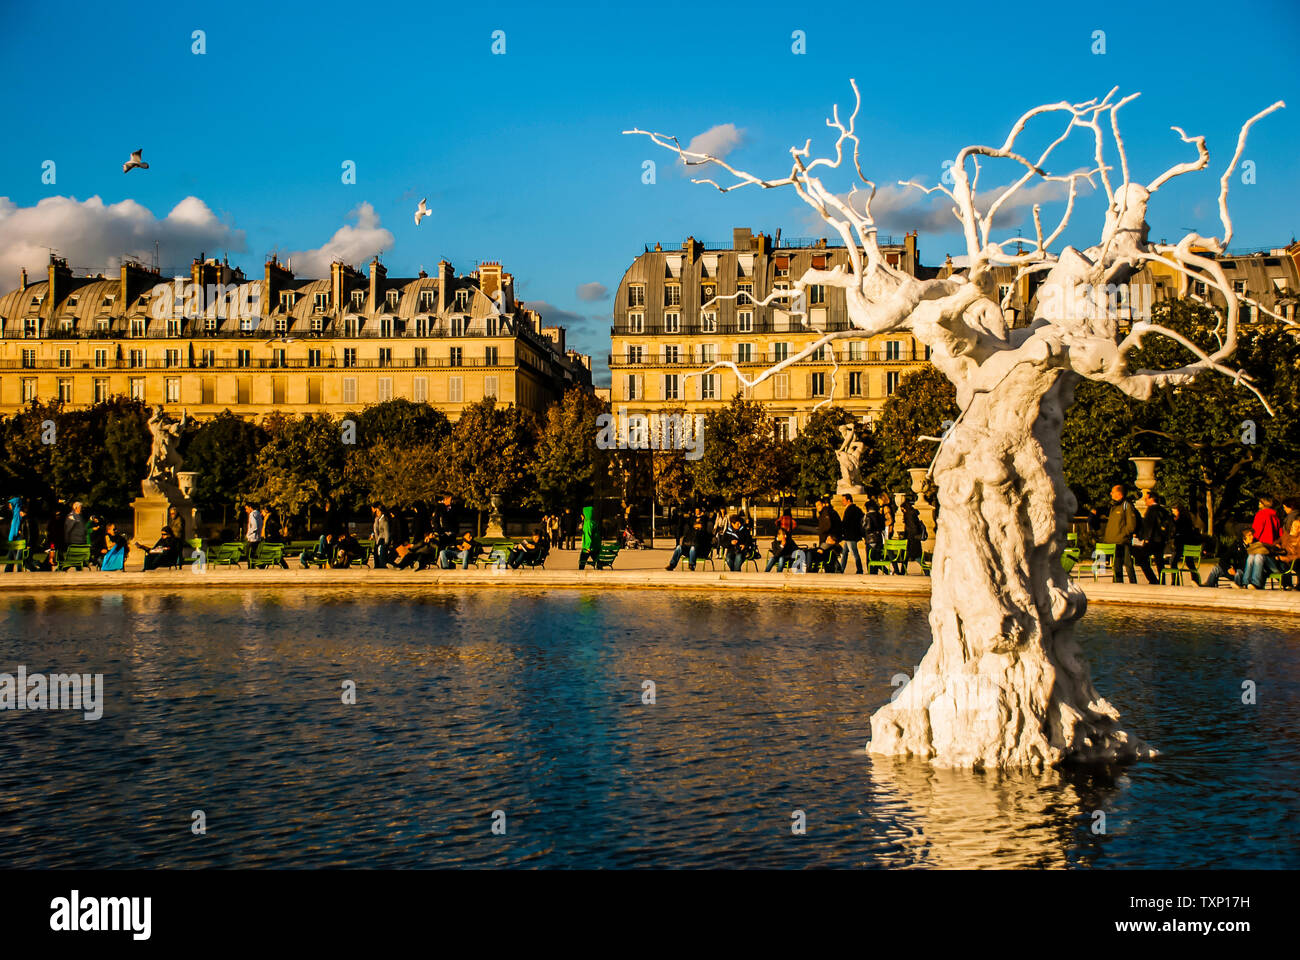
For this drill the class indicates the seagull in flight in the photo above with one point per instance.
(135, 161)
(422, 211)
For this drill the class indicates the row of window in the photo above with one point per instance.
(172, 390)
(744, 353)
(244, 358)
(818, 386)
(428, 300)
(138, 327)
(816, 293)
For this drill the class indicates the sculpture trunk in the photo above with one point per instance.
(1003, 683)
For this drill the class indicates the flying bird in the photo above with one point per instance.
(135, 161)
(422, 211)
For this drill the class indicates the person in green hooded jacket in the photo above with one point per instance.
(590, 538)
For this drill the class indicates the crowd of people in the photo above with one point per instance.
(1157, 536)
(852, 531)
(851, 536)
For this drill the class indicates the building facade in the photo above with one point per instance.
(666, 331)
(217, 340)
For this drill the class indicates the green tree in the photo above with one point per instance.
(302, 466)
(490, 451)
(224, 452)
(400, 422)
(742, 457)
(570, 468)
(924, 400)
(395, 474)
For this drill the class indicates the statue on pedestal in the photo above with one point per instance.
(164, 459)
(849, 456)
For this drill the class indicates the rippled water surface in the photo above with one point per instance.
(531, 703)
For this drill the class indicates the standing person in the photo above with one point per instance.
(873, 528)
(1121, 524)
(1152, 535)
(914, 532)
(786, 521)
(444, 523)
(253, 532)
(886, 515)
(380, 533)
(590, 537)
(1186, 534)
(74, 527)
(19, 528)
(177, 523)
(553, 529)
(570, 528)
(851, 518)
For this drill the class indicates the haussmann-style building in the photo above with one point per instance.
(216, 340)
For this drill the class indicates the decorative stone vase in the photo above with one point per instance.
(185, 479)
(1146, 472)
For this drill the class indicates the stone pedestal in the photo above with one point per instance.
(151, 516)
(852, 489)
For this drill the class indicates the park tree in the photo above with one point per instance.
(923, 405)
(395, 474)
(302, 466)
(742, 458)
(223, 451)
(815, 470)
(570, 468)
(490, 451)
(400, 422)
(1004, 683)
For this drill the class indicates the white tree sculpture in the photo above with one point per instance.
(1004, 684)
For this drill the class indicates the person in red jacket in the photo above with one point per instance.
(1267, 526)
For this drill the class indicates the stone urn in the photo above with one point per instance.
(185, 479)
(495, 522)
(1146, 472)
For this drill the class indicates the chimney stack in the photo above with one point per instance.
(377, 275)
(445, 275)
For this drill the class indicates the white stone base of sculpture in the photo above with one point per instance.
(852, 489)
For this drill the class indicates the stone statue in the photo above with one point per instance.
(849, 455)
(164, 459)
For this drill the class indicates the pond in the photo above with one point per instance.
(525, 711)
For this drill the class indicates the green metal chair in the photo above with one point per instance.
(16, 554)
(1107, 562)
(1283, 569)
(896, 552)
(75, 556)
(227, 555)
(1175, 570)
(266, 555)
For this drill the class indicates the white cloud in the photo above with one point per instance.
(897, 209)
(717, 141)
(93, 235)
(591, 292)
(351, 244)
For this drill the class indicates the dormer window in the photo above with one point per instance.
(428, 300)
(108, 300)
(286, 299)
(37, 301)
(393, 297)
(358, 298)
(137, 326)
(462, 300)
(322, 302)
(72, 302)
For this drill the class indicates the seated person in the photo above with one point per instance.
(782, 553)
(530, 551)
(736, 543)
(164, 553)
(1237, 564)
(464, 550)
(826, 555)
(320, 553)
(418, 555)
(114, 548)
(346, 550)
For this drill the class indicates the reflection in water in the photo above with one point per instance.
(530, 702)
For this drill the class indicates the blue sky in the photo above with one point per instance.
(521, 155)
